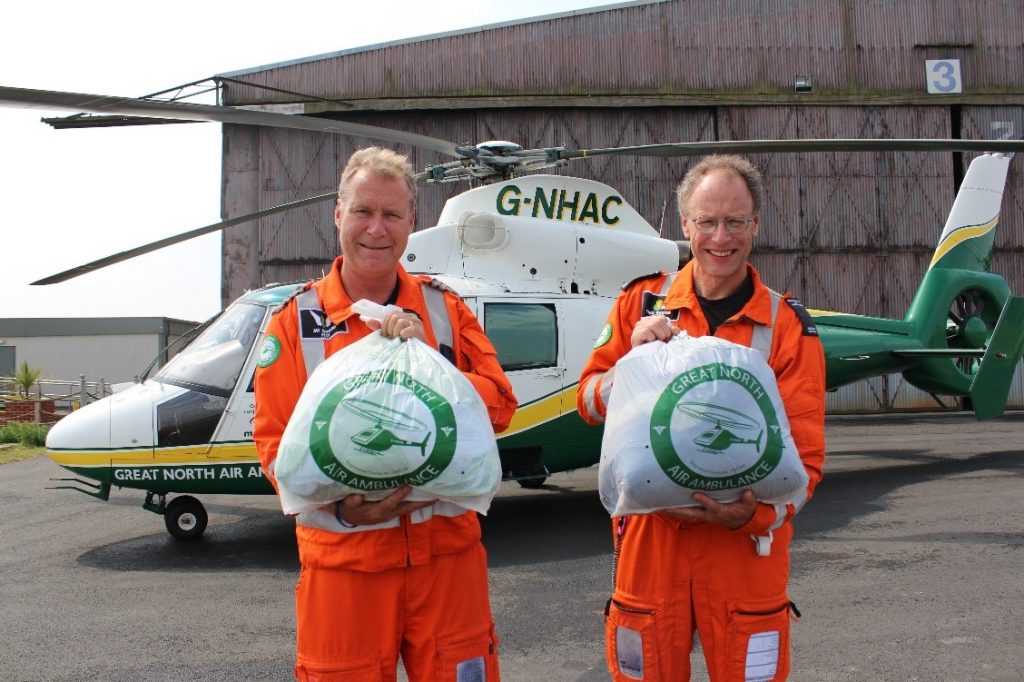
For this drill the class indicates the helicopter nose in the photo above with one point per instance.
(83, 429)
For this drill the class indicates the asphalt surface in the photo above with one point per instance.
(907, 565)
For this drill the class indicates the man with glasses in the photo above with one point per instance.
(719, 569)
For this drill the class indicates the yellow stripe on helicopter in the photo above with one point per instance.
(227, 453)
(539, 412)
(959, 236)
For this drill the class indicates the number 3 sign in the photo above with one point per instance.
(943, 76)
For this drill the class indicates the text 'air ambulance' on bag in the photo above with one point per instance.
(695, 414)
(383, 413)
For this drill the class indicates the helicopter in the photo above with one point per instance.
(718, 438)
(378, 439)
(187, 430)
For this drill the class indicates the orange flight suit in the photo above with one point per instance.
(672, 578)
(416, 586)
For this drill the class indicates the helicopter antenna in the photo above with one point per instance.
(661, 221)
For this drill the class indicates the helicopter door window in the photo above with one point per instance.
(524, 334)
(213, 362)
(188, 419)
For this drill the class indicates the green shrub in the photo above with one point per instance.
(26, 433)
(25, 377)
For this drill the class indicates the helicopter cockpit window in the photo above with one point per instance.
(188, 419)
(524, 334)
(211, 364)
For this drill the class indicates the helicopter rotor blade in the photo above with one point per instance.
(177, 239)
(102, 104)
(767, 146)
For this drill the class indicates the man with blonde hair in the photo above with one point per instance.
(716, 568)
(392, 578)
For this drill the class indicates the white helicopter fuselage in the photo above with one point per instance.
(539, 260)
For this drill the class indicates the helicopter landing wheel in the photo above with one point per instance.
(532, 483)
(185, 518)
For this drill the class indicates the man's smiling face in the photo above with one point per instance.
(721, 257)
(374, 219)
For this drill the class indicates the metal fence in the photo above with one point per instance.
(67, 394)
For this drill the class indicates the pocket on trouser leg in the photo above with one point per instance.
(758, 641)
(631, 642)
(473, 658)
(356, 671)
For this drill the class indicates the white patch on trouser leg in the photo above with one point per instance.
(762, 656)
(629, 649)
(472, 670)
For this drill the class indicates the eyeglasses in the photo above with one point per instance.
(707, 224)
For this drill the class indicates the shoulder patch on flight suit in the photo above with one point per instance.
(810, 329)
(270, 351)
(641, 278)
(438, 284)
(295, 294)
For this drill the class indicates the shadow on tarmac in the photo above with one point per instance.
(263, 541)
(844, 496)
(550, 525)
(544, 527)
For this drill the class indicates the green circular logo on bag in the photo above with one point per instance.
(389, 430)
(269, 351)
(715, 428)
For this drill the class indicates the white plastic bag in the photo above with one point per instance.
(383, 413)
(695, 414)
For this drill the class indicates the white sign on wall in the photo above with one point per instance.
(942, 76)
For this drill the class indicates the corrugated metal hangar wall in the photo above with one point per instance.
(851, 232)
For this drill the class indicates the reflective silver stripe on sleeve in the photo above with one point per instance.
(589, 403)
(312, 349)
(606, 386)
(440, 321)
(761, 340)
(668, 284)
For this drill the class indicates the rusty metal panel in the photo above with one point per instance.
(1016, 397)
(860, 397)
(687, 47)
(907, 397)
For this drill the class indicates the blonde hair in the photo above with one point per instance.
(380, 161)
(721, 162)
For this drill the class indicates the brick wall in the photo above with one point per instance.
(25, 411)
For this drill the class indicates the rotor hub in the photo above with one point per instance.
(974, 332)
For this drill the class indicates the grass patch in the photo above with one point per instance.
(23, 433)
(16, 452)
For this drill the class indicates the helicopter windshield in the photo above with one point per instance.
(211, 364)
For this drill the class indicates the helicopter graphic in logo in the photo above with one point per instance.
(718, 438)
(378, 438)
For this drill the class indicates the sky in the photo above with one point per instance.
(68, 197)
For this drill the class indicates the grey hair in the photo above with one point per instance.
(380, 161)
(721, 162)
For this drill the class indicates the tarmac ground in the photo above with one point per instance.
(907, 565)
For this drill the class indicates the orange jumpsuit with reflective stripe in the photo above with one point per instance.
(415, 587)
(672, 578)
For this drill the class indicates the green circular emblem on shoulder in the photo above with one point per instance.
(392, 429)
(715, 428)
(604, 336)
(270, 351)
